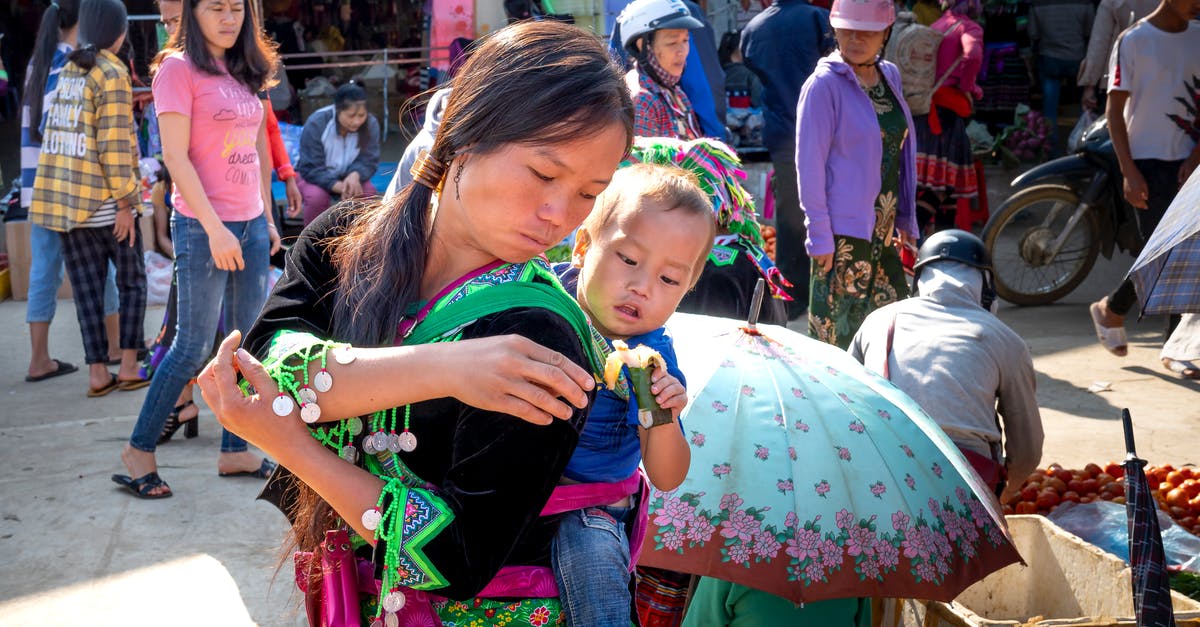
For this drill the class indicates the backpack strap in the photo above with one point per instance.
(953, 66)
(505, 296)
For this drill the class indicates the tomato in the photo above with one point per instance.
(1048, 499)
(1187, 522)
(1178, 512)
(1104, 478)
(1053, 468)
(1075, 485)
(1065, 475)
(1189, 472)
(1025, 507)
(1119, 499)
(1114, 469)
(1090, 485)
(1071, 496)
(1056, 484)
(1029, 493)
(1177, 498)
(1175, 478)
(1153, 481)
(1087, 499)
(1007, 510)
(1093, 469)
(1194, 504)
(1191, 487)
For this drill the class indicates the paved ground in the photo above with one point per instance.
(78, 550)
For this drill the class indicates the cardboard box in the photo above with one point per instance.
(1067, 582)
(16, 237)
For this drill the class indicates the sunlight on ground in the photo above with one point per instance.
(192, 590)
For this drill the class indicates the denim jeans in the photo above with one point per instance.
(46, 275)
(590, 556)
(199, 283)
(1053, 72)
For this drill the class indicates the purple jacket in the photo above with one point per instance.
(839, 153)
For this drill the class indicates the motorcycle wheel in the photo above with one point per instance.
(1020, 235)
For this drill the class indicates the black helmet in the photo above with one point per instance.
(963, 247)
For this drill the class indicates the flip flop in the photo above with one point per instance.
(142, 486)
(113, 383)
(264, 471)
(126, 385)
(1113, 339)
(61, 368)
(1182, 367)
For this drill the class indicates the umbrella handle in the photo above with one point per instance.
(1127, 423)
(755, 306)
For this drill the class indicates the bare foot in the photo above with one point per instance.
(238, 462)
(139, 464)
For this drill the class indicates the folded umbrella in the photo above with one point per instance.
(1167, 272)
(1147, 559)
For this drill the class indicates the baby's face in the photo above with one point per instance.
(637, 269)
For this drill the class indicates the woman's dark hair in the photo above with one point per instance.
(60, 15)
(348, 95)
(567, 87)
(101, 24)
(729, 43)
(251, 61)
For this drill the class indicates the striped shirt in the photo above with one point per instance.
(89, 152)
(29, 146)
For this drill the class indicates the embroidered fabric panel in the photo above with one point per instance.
(422, 516)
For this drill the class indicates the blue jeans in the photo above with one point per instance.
(1053, 72)
(590, 557)
(46, 276)
(199, 283)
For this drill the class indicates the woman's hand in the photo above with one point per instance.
(353, 186)
(124, 226)
(251, 417)
(273, 233)
(295, 200)
(825, 262)
(514, 375)
(668, 391)
(225, 248)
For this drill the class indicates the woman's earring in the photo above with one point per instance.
(457, 180)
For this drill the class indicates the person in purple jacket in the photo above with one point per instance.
(856, 172)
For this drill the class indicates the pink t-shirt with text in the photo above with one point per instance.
(225, 119)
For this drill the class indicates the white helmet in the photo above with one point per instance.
(646, 16)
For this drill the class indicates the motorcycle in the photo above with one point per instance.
(1046, 237)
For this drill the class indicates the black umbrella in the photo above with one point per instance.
(1151, 586)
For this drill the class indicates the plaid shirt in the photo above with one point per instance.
(653, 115)
(89, 146)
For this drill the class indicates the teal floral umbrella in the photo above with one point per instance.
(813, 478)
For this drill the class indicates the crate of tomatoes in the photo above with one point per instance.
(1177, 491)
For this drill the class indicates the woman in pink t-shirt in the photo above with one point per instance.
(211, 123)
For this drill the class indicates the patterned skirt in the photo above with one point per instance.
(866, 275)
(1005, 80)
(945, 165)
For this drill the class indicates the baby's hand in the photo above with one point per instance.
(668, 391)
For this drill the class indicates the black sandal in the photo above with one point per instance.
(142, 486)
(191, 428)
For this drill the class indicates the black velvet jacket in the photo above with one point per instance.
(496, 472)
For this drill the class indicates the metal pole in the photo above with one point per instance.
(386, 73)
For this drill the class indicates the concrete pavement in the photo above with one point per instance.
(79, 550)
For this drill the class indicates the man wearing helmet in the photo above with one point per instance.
(945, 349)
(656, 34)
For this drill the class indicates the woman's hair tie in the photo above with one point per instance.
(429, 171)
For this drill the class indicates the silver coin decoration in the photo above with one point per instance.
(368, 445)
(408, 441)
(354, 425)
(310, 412)
(391, 620)
(307, 394)
(349, 454)
(393, 601)
(283, 405)
(344, 355)
(371, 518)
(379, 441)
(323, 381)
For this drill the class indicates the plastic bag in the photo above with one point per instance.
(1076, 137)
(1105, 525)
(159, 271)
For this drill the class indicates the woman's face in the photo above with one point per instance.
(352, 117)
(671, 48)
(220, 22)
(859, 46)
(517, 201)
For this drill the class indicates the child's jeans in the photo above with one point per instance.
(590, 556)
